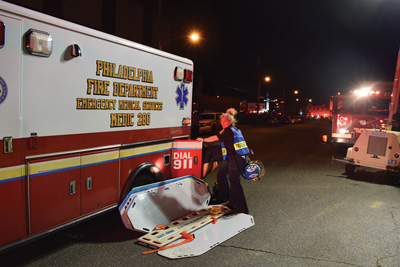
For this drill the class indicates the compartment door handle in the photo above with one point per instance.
(72, 187)
(88, 183)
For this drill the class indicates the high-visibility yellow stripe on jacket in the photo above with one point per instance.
(238, 142)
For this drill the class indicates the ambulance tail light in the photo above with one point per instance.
(186, 121)
(396, 155)
(38, 43)
(356, 149)
(188, 77)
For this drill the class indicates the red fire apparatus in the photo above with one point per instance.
(85, 117)
(364, 108)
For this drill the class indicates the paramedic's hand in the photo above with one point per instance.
(200, 139)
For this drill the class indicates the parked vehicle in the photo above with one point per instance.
(273, 119)
(209, 122)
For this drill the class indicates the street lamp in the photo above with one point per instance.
(194, 38)
(267, 79)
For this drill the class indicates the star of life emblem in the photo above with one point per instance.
(3, 90)
(182, 93)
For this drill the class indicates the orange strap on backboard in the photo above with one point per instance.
(159, 226)
(185, 235)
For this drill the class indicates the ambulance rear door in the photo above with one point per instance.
(187, 158)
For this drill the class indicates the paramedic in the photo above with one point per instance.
(234, 160)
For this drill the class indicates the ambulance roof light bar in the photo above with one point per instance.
(38, 43)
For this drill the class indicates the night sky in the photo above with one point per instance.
(318, 47)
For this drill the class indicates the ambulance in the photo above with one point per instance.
(85, 117)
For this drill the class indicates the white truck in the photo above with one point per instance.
(374, 149)
(85, 117)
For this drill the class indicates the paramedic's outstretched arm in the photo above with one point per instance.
(208, 139)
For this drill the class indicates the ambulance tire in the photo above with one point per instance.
(349, 168)
(143, 179)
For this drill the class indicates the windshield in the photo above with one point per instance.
(348, 104)
(377, 106)
(207, 116)
(355, 105)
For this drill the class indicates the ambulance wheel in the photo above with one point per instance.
(349, 168)
(143, 179)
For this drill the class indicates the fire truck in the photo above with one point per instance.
(379, 148)
(364, 108)
(85, 117)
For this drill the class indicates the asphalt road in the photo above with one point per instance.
(307, 212)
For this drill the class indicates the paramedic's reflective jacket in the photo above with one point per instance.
(238, 142)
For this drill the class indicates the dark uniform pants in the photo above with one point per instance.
(236, 194)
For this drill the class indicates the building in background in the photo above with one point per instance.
(318, 111)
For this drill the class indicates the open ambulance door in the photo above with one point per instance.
(187, 158)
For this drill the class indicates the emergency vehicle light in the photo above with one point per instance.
(38, 43)
(186, 121)
(363, 91)
(178, 74)
(356, 149)
(188, 77)
(383, 125)
(396, 155)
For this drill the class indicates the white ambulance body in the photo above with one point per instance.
(84, 117)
